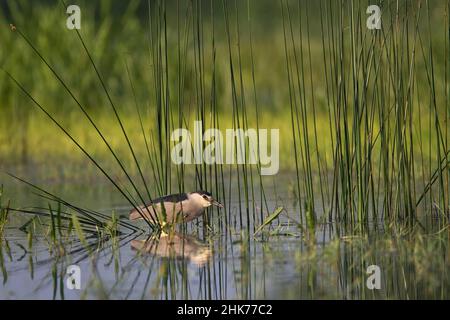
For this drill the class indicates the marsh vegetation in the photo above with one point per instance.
(86, 121)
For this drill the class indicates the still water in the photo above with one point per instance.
(226, 261)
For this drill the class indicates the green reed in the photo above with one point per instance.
(368, 109)
(4, 213)
(371, 80)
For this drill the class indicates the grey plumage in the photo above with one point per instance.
(170, 198)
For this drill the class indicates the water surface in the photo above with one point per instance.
(225, 262)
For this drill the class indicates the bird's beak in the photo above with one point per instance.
(216, 203)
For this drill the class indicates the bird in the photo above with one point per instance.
(181, 207)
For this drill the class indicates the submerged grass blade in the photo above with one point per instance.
(269, 219)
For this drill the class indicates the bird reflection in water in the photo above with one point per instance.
(175, 246)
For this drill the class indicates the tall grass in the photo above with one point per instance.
(371, 78)
(4, 212)
(367, 109)
(364, 120)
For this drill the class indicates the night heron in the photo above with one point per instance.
(178, 208)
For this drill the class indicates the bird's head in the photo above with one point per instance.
(205, 199)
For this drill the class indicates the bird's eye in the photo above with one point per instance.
(205, 197)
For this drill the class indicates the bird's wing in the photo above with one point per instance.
(171, 198)
(172, 204)
(146, 211)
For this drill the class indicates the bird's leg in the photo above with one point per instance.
(163, 234)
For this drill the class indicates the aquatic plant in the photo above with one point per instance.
(4, 212)
(376, 159)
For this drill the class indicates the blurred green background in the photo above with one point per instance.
(119, 34)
